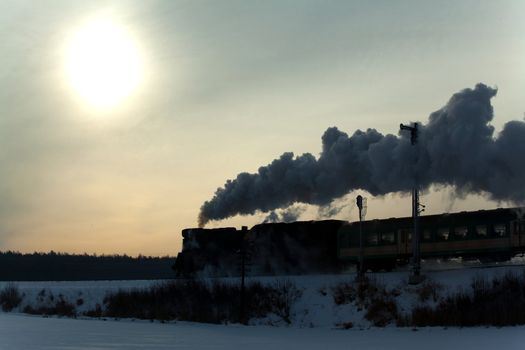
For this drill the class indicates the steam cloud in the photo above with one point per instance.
(286, 215)
(456, 147)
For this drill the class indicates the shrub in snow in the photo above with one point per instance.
(381, 311)
(96, 312)
(361, 292)
(285, 294)
(500, 302)
(193, 300)
(10, 297)
(60, 307)
(345, 325)
(429, 289)
(344, 293)
(379, 303)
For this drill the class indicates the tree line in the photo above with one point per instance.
(52, 266)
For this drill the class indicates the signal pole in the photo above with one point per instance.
(242, 316)
(416, 277)
(361, 204)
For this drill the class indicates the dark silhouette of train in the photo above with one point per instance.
(330, 246)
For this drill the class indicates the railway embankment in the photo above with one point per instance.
(449, 297)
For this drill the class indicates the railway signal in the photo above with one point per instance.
(416, 277)
(413, 132)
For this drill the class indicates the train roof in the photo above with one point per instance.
(492, 215)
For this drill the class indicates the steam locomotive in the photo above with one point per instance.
(329, 246)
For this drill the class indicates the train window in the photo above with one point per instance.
(442, 234)
(481, 230)
(388, 238)
(427, 235)
(460, 232)
(371, 239)
(500, 230)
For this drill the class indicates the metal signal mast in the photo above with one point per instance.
(361, 204)
(416, 277)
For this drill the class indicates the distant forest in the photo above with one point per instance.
(53, 266)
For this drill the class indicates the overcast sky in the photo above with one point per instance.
(226, 86)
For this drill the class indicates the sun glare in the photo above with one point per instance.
(103, 64)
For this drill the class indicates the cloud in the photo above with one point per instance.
(456, 147)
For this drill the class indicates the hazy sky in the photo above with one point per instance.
(225, 87)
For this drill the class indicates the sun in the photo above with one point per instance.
(103, 64)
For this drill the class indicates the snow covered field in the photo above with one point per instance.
(314, 319)
(31, 333)
(90, 293)
(315, 307)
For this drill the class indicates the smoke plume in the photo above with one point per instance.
(285, 215)
(456, 147)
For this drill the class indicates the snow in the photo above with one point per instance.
(315, 308)
(314, 318)
(31, 333)
(90, 292)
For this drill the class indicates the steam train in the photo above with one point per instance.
(486, 235)
(330, 246)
